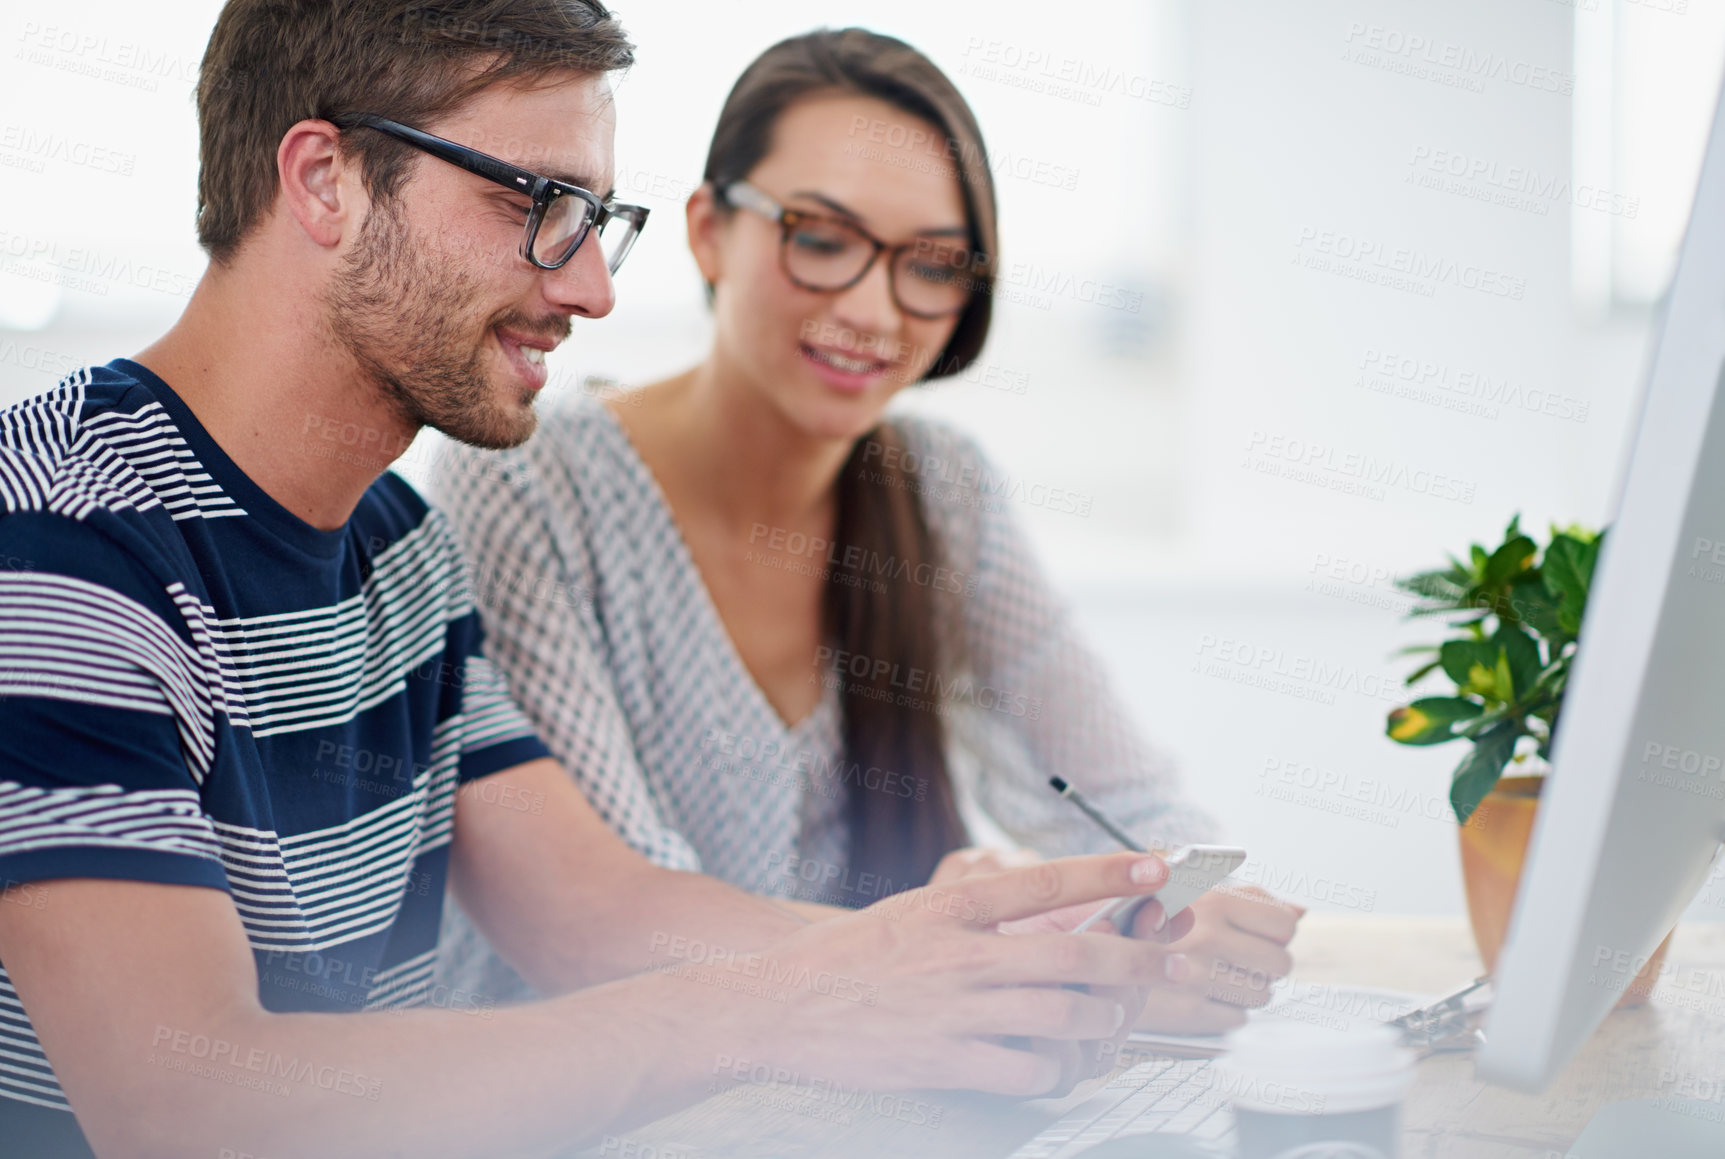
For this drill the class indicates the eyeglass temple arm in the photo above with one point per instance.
(746, 196)
(469, 159)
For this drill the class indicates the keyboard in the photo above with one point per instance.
(1185, 1096)
(1176, 1095)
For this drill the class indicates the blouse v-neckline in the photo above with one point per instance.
(685, 558)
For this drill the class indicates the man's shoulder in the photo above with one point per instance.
(59, 449)
(82, 468)
(108, 440)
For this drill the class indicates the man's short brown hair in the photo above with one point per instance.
(272, 63)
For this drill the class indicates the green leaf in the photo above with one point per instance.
(1423, 671)
(1432, 610)
(1487, 721)
(1576, 531)
(1445, 588)
(1421, 580)
(1502, 680)
(1460, 657)
(1510, 560)
(1521, 653)
(1548, 686)
(1430, 720)
(1534, 606)
(1568, 573)
(1480, 769)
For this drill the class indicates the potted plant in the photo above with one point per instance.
(1516, 612)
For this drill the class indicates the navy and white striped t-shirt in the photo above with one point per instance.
(198, 687)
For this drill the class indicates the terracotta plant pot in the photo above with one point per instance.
(1493, 848)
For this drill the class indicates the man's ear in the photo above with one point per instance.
(706, 221)
(311, 169)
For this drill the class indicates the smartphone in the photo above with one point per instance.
(1192, 872)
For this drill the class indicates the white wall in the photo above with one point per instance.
(1296, 137)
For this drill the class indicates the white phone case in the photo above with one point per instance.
(1192, 871)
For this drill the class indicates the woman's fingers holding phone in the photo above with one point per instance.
(1230, 964)
(1148, 923)
(1258, 911)
(1238, 967)
(1185, 1010)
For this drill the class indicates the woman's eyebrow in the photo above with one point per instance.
(837, 207)
(845, 211)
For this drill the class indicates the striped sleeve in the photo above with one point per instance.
(106, 714)
(495, 733)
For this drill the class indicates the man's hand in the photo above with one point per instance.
(1236, 949)
(976, 860)
(918, 990)
(1091, 1059)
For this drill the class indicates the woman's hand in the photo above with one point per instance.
(1236, 949)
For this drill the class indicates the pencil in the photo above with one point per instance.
(1092, 812)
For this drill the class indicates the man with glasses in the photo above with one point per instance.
(247, 728)
(560, 213)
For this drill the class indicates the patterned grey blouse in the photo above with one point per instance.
(596, 614)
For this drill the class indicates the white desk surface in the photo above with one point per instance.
(1449, 1115)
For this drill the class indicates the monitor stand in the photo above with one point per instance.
(1644, 1128)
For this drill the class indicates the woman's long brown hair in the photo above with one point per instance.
(894, 628)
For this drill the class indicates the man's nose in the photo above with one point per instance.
(582, 285)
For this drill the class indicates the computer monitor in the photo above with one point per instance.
(1632, 815)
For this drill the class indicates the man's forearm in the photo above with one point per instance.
(661, 916)
(569, 904)
(506, 1082)
(814, 911)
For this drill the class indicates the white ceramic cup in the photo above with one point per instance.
(1301, 1091)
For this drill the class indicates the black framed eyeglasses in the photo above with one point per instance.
(930, 277)
(562, 215)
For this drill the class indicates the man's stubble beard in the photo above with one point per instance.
(401, 313)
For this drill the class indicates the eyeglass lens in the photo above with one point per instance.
(934, 276)
(566, 221)
(930, 277)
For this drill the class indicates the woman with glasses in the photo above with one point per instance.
(783, 637)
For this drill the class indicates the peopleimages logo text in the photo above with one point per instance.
(1409, 262)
